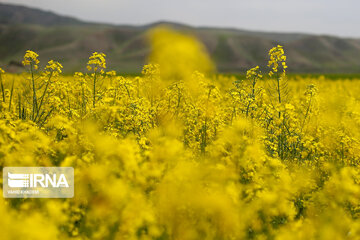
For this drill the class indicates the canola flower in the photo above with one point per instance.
(171, 155)
(179, 55)
(31, 59)
(96, 62)
(53, 67)
(277, 59)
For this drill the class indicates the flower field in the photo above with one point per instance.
(179, 152)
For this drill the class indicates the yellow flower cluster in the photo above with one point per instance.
(97, 62)
(31, 58)
(151, 69)
(179, 55)
(53, 67)
(277, 57)
(184, 156)
(254, 72)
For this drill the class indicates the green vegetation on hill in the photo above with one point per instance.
(71, 40)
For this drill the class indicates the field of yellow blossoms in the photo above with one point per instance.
(180, 152)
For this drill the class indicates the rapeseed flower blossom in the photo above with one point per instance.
(97, 62)
(31, 58)
(277, 59)
(53, 67)
(176, 153)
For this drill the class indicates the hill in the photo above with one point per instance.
(71, 41)
(13, 14)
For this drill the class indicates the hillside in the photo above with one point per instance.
(13, 14)
(68, 40)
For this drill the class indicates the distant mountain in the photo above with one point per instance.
(71, 41)
(13, 14)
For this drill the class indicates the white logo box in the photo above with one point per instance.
(38, 182)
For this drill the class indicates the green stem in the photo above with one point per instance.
(42, 97)
(11, 94)
(94, 90)
(2, 88)
(34, 109)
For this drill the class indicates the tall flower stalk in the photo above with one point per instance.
(96, 65)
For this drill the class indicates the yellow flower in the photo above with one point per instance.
(31, 58)
(277, 56)
(53, 67)
(253, 72)
(97, 62)
(151, 70)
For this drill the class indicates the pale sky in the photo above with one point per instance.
(334, 17)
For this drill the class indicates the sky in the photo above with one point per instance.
(332, 17)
